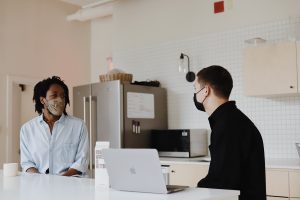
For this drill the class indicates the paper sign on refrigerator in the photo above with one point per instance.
(140, 105)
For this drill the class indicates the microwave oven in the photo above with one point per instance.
(184, 143)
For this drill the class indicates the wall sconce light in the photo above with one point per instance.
(190, 76)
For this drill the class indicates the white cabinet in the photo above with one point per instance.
(277, 183)
(283, 183)
(187, 174)
(277, 198)
(271, 69)
(294, 177)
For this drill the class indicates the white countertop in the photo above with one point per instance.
(279, 163)
(48, 187)
(283, 163)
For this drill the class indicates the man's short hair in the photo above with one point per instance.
(218, 78)
(41, 88)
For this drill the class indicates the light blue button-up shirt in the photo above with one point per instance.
(67, 146)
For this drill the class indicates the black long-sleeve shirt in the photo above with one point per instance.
(237, 154)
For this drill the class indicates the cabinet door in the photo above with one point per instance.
(187, 174)
(294, 177)
(277, 198)
(270, 69)
(277, 183)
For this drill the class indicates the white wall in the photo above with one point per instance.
(101, 46)
(149, 35)
(142, 22)
(139, 23)
(277, 118)
(37, 41)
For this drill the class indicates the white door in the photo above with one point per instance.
(16, 116)
(22, 111)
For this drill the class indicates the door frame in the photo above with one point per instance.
(10, 81)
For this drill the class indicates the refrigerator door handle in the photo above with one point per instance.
(91, 135)
(90, 127)
(84, 111)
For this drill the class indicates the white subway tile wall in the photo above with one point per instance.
(277, 118)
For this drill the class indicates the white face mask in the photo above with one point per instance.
(56, 106)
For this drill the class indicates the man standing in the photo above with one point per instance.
(53, 142)
(237, 151)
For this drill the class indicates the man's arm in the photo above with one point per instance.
(224, 169)
(32, 170)
(81, 159)
(27, 163)
(71, 172)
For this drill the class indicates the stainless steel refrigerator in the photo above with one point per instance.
(122, 114)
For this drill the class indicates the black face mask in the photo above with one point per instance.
(198, 105)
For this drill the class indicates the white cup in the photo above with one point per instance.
(10, 169)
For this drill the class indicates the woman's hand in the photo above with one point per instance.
(32, 170)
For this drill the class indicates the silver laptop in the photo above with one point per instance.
(136, 170)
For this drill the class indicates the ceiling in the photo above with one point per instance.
(83, 3)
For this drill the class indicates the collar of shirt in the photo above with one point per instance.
(219, 112)
(61, 119)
